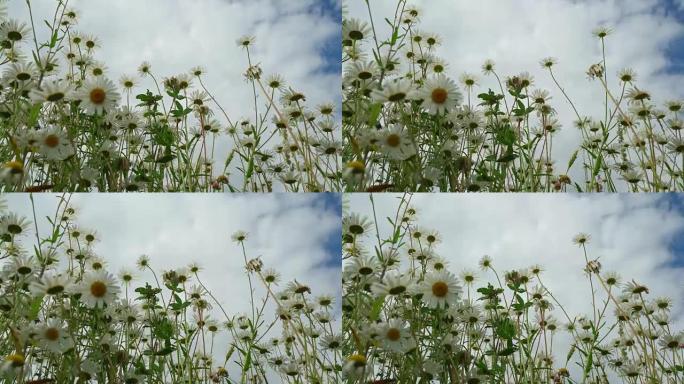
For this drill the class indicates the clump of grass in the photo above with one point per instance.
(65, 126)
(409, 319)
(409, 126)
(65, 318)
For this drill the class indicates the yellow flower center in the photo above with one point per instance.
(440, 289)
(15, 360)
(393, 140)
(52, 334)
(98, 96)
(358, 360)
(98, 289)
(393, 334)
(439, 95)
(15, 166)
(51, 140)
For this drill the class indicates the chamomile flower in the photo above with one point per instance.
(97, 95)
(392, 284)
(239, 236)
(53, 337)
(97, 289)
(394, 91)
(439, 289)
(396, 143)
(14, 31)
(13, 224)
(439, 94)
(354, 30)
(245, 41)
(50, 284)
(54, 144)
(394, 336)
(52, 92)
(356, 224)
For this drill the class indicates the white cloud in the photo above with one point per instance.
(631, 234)
(290, 233)
(518, 34)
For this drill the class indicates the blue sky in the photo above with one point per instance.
(675, 50)
(333, 46)
(675, 203)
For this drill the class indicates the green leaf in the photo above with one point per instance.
(572, 159)
(505, 329)
(34, 308)
(374, 113)
(165, 351)
(376, 308)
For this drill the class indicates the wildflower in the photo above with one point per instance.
(14, 31)
(485, 262)
(97, 95)
(395, 91)
(143, 262)
(595, 70)
(50, 284)
(144, 68)
(354, 30)
(396, 143)
(392, 284)
(548, 62)
(439, 94)
(395, 337)
(97, 289)
(245, 41)
(357, 368)
(602, 32)
(488, 67)
(356, 224)
(239, 236)
(581, 239)
(54, 144)
(627, 75)
(439, 289)
(53, 337)
(13, 224)
(52, 91)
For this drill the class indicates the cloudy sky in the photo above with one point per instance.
(640, 237)
(648, 37)
(297, 234)
(299, 40)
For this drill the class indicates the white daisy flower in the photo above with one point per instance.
(439, 289)
(50, 284)
(97, 95)
(97, 289)
(14, 31)
(396, 143)
(396, 91)
(439, 94)
(239, 236)
(54, 144)
(394, 336)
(53, 337)
(52, 91)
(354, 29)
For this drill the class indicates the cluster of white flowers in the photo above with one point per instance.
(65, 317)
(68, 127)
(409, 127)
(408, 318)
